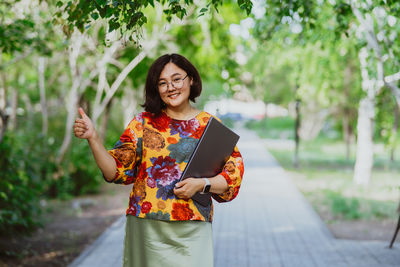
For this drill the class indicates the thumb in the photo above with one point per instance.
(82, 113)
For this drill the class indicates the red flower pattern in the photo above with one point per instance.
(165, 170)
(160, 122)
(146, 207)
(197, 134)
(181, 211)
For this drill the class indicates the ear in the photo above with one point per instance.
(191, 81)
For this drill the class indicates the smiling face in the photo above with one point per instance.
(172, 96)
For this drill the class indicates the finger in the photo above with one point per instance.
(180, 192)
(181, 183)
(80, 124)
(79, 130)
(82, 113)
(177, 190)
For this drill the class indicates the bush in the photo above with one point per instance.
(19, 193)
(348, 208)
(83, 171)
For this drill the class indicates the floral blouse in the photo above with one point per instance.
(152, 153)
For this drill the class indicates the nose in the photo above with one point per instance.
(170, 87)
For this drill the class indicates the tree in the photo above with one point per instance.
(373, 25)
(128, 17)
(16, 43)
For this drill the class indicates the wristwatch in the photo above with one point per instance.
(207, 186)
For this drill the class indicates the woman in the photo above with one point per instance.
(164, 225)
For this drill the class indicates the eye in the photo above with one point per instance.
(177, 79)
(162, 83)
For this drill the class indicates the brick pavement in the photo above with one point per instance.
(269, 224)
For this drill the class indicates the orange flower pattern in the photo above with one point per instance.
(152, 153)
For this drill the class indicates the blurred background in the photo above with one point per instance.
(317, 80)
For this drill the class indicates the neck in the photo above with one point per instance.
(181, 113)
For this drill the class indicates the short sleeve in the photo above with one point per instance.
(127, 152)
(233, 173)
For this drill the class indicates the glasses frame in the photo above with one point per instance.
(172, 84)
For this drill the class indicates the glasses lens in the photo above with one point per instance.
(162, 85)
(177, 83)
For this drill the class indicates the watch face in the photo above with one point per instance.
(207, 188)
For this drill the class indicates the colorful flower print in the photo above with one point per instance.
(166, 192)
(125, 154)
(152, 153)
(125, 138)
(172, 140)
(146, 207)
(164, 170)
(182, 150)
(141, 171)
(138, 191)
(133, 209)
(159, 123)
(158, 216)
(197, 134)
(151, 182)
(182, 212)
(230, 167)
(161, 205)
(184, 128)
(152, 139)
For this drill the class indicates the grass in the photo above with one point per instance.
(325, 176)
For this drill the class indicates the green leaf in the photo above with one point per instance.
(101, 2)
(95, 16)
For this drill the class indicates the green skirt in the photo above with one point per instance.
(150, 243)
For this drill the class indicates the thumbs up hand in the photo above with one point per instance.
(83, 127)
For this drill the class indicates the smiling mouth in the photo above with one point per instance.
(174, 95)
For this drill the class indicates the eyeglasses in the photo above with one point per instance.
(176, 83)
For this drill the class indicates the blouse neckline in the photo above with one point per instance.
(196, 116)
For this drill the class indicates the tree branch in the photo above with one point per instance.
(392, 78)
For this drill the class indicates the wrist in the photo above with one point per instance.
(94, 138)
(206, 186)
(201, 184)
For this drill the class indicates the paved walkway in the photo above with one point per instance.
(268, 224)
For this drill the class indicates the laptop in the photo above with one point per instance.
(210, 155)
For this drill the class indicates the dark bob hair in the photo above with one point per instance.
(153, 102)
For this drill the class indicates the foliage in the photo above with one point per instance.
(349, 208)
(353, 208)
(16, 31)
(385, 128)
(127, 16)
(19, 191)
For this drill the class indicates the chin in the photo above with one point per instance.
(175, 102)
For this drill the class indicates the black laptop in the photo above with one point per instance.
(210, 155)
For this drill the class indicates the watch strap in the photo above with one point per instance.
(207, 186)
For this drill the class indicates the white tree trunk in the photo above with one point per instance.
(43, 104)
(13, 106)
(370, 55)
(129, 104)
(72, 100)
(98, 109)
(365, 154)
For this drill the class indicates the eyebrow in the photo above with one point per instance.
(176, 73)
